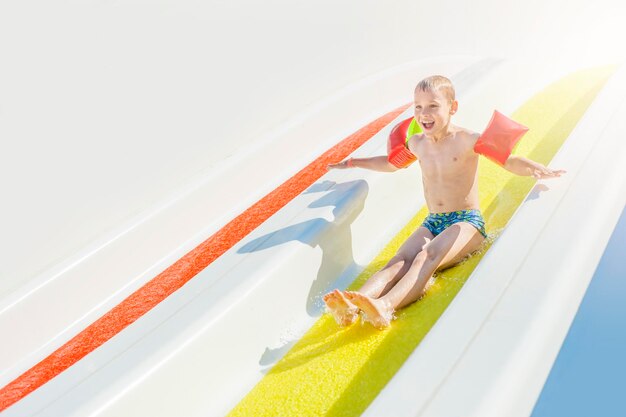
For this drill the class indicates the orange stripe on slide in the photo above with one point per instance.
(174, 277)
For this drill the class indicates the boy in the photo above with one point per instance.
(453, 229)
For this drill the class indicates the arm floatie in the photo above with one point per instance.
(499, 138)
(397, 152)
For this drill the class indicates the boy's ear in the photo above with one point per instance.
(454, 107)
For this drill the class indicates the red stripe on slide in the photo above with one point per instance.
(174, 277)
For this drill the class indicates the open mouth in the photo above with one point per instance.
(428, 125)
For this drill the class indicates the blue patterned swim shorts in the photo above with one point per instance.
(438, 222)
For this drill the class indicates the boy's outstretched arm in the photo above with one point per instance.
(526, 167)
(375, 163)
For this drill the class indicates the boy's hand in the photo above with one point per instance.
(542, 172)
(340, 165)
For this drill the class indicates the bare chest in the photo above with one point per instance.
(446, 159)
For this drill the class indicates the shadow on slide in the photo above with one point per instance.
(333, 237)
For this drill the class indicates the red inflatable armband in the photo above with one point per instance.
(397, 152)
(499, 138)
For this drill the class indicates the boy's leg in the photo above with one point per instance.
(448, 248)
(382, 281)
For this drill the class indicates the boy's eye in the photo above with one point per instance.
(418, 107)
(433, 106)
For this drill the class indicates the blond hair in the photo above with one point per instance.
(437, 83)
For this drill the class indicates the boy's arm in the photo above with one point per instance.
(523, 166)
(375, 163)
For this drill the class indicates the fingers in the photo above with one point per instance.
(541, 173)
(338, 165)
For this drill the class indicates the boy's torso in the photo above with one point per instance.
(449, 170)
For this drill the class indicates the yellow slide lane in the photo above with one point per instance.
(335, 371)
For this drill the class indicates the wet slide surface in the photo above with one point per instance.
(333, 371)
(588, 375)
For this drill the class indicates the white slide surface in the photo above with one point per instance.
(107, 232)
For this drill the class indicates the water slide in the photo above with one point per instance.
(208, 302)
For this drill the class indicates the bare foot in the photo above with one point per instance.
(344, 312)
(377, 312)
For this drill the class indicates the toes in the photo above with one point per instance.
(330, 296)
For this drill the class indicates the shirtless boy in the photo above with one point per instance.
(453, 229)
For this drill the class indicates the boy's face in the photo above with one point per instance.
(433, 111)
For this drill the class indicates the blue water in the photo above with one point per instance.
(588, 377)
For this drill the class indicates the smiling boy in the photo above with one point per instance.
(454, 226)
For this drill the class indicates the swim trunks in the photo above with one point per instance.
(438, 222)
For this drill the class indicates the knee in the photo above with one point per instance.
(428, 255)
(398, 261)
